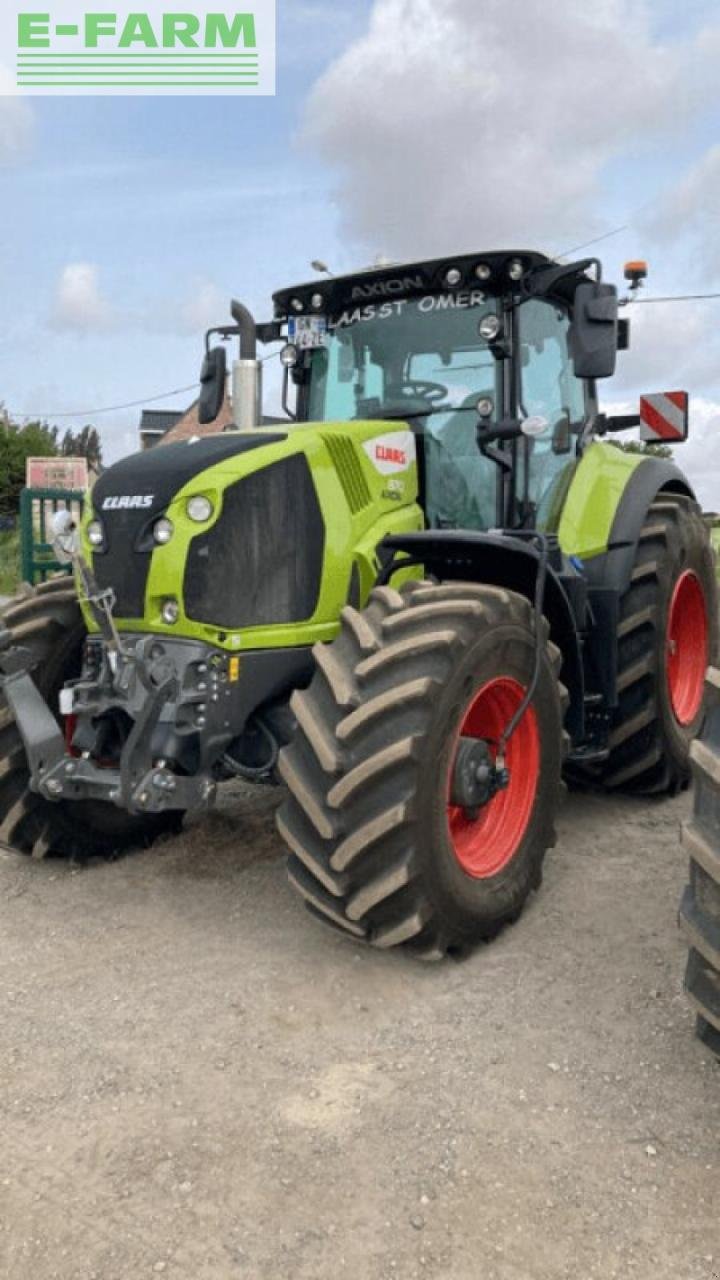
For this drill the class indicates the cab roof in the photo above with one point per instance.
(484, 271)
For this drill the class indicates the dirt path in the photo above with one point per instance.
(199, 1081)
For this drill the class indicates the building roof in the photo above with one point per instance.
(155, 422)
(187, 424)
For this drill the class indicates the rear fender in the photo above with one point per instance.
(608, 573)
(654, 476)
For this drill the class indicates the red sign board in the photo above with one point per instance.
(56, 473)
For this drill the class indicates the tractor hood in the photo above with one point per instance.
(265, 534)
(145, 482)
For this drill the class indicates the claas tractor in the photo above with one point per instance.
(421, 598)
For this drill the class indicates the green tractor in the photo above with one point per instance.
(419, 599)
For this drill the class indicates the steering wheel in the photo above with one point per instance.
(421, 388)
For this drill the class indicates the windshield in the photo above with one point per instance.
(421, 359)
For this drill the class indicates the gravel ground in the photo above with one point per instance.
(199, 1081)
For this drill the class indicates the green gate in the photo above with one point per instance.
(37, 507)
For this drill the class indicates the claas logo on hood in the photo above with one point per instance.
(128, 502)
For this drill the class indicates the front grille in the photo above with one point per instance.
(150, 481)
(261, 562)
(343, 456)
(121, 566)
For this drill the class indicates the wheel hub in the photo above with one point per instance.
(475, 778)
(489, 808)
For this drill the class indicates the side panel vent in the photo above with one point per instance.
(348, 467)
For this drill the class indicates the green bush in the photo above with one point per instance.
(9, 563)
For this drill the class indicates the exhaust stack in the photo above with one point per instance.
(246, 373)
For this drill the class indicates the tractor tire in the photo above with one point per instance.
(377, 849)
(700, 907)
(668, 636)
(47, 621)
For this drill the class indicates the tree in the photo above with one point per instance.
(643, 446)
(17, 443)
(83, 444)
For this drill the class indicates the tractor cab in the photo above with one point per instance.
(488, 360)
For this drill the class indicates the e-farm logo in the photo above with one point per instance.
(205, 48)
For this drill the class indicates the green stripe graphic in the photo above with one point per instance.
(213, 57)
(190, 69)
(148, 66)
(164, 74)
(138, 84)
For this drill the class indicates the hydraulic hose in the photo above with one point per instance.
(544, 546)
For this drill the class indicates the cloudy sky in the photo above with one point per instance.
(404, 127)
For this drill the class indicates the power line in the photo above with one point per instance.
(589, 243)
(681, 297)
(115, 408)
(111, 408)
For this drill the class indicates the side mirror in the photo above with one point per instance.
(213, 377)
(594, 330)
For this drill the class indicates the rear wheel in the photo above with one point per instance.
(700, 908)
(47, 621)
(389, 840)
(668, 635)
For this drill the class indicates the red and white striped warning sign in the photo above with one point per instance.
(664, 416)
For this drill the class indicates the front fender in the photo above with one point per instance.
(508, 562)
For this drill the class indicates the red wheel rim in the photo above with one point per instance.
(687, 647)
(485, 845)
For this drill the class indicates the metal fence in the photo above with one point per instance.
(37, 507)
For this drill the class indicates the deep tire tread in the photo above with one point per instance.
(353, 838)
(700, 907)
(649, 750)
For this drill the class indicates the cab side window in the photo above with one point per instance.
(549, 385)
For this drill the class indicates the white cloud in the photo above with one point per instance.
(16, 120)
(79, 305)
(466, 124)
(205, 307)
(201, 306)
(673, 346)
(690, 211)
(699, 457)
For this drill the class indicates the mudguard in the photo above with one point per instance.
(606, 507)
(604, 514)
(504, 561)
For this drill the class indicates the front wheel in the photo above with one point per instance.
(401, 831)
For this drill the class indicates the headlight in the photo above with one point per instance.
(297, 304)
(200, 509)
(489, 328)
(163, 531)
(170, 612)
(483, 271)
(453, 277)
(95, 533)
(516, 269)
(289, 356)
(317, 302)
